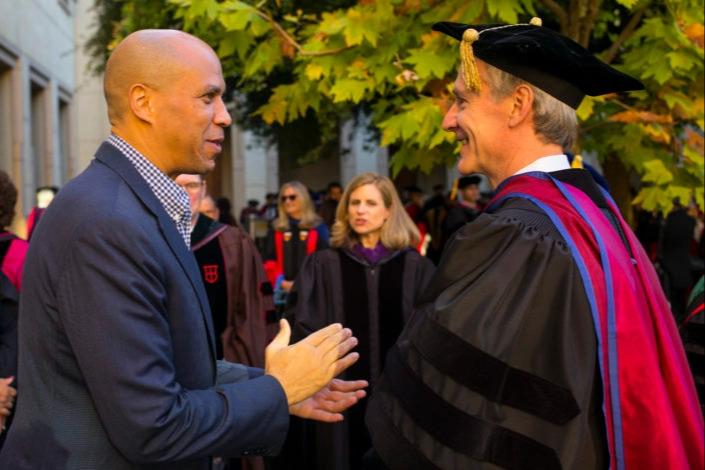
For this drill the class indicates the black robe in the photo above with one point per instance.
(295, 248)
(239, 294)
(373, 299)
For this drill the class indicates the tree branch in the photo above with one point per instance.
(572, 26)
(588, 21)
(557, 10)
(624, 35)
(282, 33)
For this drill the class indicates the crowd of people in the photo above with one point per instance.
(526, 328)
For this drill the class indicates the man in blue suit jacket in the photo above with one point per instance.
(117, 353)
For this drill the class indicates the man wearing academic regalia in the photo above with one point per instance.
(544, 340)
(239, 294)
(465, 210)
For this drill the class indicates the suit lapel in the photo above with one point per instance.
(114, 159)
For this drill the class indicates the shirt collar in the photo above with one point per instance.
(174, 199)
(547, 164)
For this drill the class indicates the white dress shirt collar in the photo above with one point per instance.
(547, 164)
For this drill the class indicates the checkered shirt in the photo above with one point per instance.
(173, 198)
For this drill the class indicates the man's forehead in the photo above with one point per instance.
(184, 178)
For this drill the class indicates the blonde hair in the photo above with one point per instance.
(309, 218)
(398, 231)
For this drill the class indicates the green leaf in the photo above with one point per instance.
(681, 192)
(628, 3)
(657, 172)
(314, 71)
(674, 97)
(586, 108)
(505, 10)
(358, 28)
(259, 26)
(396, 128)
(237, 20)
(429, 63)
(212, 10)
(264, 58)
(348, 90)
(331, 23)
(680, 61)
(237, 42)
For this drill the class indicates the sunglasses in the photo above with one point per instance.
(290, 197)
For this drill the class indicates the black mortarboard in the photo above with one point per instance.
(548, 60)
(465, 181)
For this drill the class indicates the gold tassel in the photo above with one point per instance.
(467, 59)
(454, 190)
(577, 162)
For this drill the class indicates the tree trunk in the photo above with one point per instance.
(618, 177)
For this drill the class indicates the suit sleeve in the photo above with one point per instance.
(118, 317)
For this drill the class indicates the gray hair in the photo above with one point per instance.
(554, 121)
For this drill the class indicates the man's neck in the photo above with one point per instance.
(523, 154)
(144, 146)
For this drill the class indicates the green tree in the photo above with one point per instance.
(295, 63)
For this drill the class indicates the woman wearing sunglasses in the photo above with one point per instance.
(296, 232)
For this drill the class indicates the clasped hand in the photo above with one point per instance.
(7, 398)
(306, 369)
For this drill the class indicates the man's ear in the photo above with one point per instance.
(142, 102)
(522, 104)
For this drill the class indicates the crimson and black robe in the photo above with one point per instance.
(543, 341)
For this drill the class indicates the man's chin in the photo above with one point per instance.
(466, 167)
(208, 165)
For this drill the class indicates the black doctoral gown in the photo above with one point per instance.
(373, 299)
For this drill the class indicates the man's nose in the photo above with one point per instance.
(222, 116)
(450, 121)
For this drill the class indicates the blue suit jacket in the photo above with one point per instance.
(117, 354)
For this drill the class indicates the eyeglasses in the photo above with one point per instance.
(191, 187)
(291, 197)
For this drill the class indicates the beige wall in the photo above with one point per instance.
(37, 89)
(92, 126)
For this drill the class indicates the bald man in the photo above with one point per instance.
(117, 352)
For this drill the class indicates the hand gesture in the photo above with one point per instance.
(7, 398)
(305, 367)
(326, 404)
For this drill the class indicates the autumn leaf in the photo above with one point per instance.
(642, 116)
(696, 33)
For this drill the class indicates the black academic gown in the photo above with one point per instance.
(375, 300)
(487, 307)
(239, 294)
